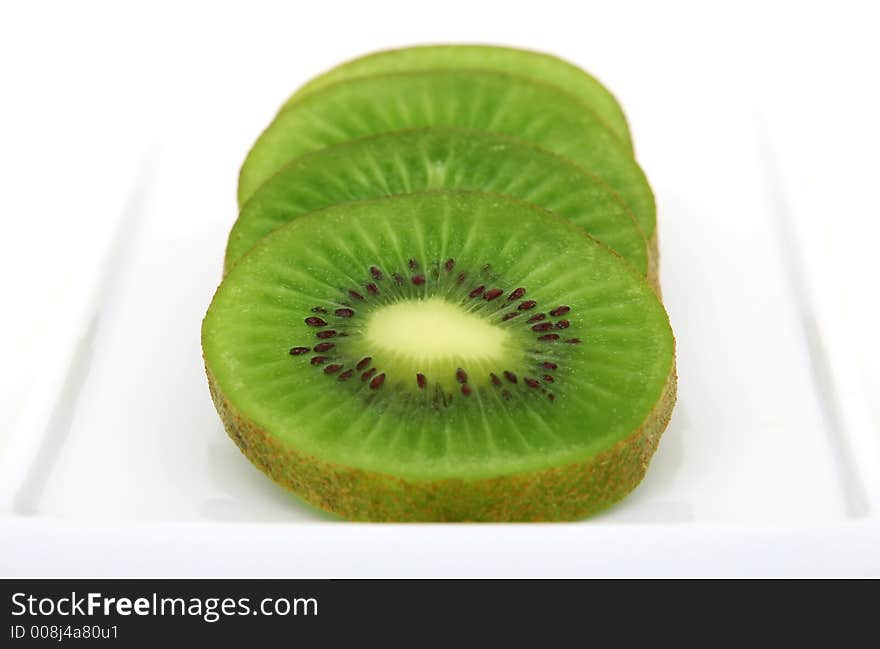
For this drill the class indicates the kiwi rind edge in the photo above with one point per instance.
(320, 80)
(561, 493)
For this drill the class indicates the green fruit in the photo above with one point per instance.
(535, 66)
(441, 356)
(403, 162)
(535, 113)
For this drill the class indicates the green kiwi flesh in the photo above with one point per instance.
(533, 112)
(402, 162)
(441, 356)
(535, 66)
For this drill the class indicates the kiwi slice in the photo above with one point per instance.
(401, 162)
(441, 356)
(529, 111)
(536, 66)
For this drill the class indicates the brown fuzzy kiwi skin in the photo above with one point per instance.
(653, 274)
(560, 493)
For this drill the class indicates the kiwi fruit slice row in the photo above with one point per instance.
(441, 356)
(400, 162)
(533, 112)
(536, 66)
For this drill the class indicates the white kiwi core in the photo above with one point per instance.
(435, 337)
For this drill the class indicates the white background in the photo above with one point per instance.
(88, 89)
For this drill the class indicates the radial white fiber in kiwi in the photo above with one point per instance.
(536, 66)
(401, 162)
(533, 112)
(441, 356)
